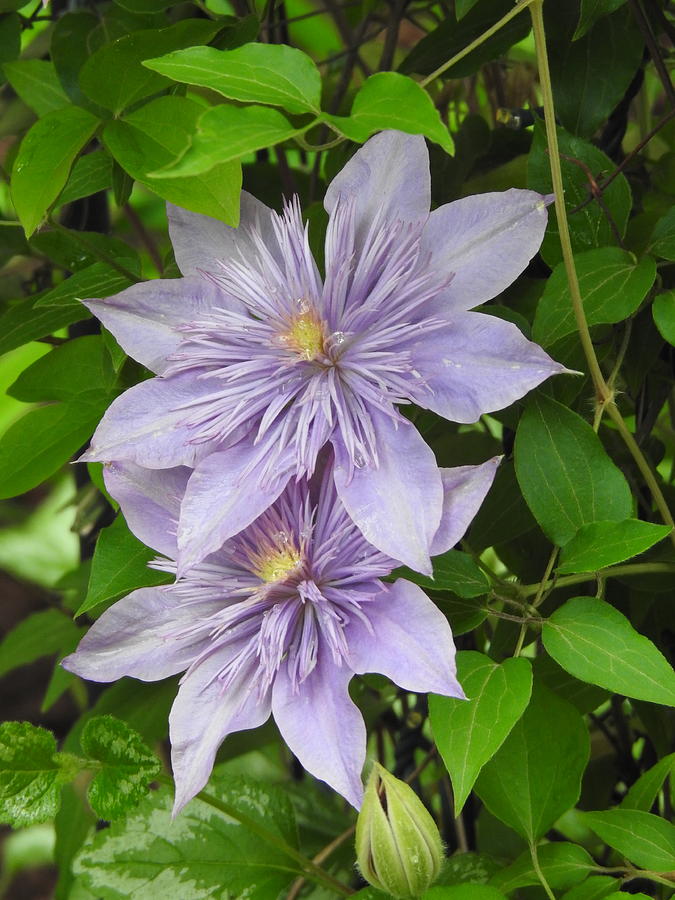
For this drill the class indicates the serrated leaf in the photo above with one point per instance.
(201, 854)
(36, 82)
(563, 865)
(589, 225)
(535, 776)
(642, 794)
(30, 774)
(453, 571)
(663, 311)
(564, 473)
(596, 643)
(248, 128)
(40, 634)
(127, 766)
(44, 160)
(644, 839)
(273, 74)
(601, 544)
(114, 76)
(613, 284)
(119, 566)
(155, 136)
(390, 100)
(468, 734)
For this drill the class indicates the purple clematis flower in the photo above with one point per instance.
(261, 363)
(278, 620)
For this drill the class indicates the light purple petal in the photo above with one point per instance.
(411, 641)
(202, 716)
(464, 489)
(477, 364)
(145, 425)
(388, 178)
(486, 240)
(150, 500)
(199, 241)
(143, 318)
(223, 496)
(322, 726)
(396, 505)
(143, 636)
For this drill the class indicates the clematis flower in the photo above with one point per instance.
(278, 621)
(261, 363)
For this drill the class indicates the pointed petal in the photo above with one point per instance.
(223, 496)
(396, 505)
(145, 424)
(199, 242)
(477, 364)
(388, 177)
(202, 716)
(486, 240)
(150, 501)
(464, 489)
(322, 726)
(140, 636)
(411, 642)
(144, 318)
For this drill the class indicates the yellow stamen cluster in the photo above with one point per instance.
(277, 563)
(305, 335)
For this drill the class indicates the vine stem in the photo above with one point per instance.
(604, 393)
(310, 869)
(531, 590)
(540, 874)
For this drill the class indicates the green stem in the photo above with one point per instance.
(531, 590)
(518, 8)
(309, 868)
(540, 874)
(604, 393)
(628, 874)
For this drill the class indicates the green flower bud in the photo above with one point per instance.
(398, 847)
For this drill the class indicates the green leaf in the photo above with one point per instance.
(390, 100)
(564, 473)
(613, 284)
(643, 793)
(30, 774)
(453, 571)
(273, 74)
(457, 892)
(41, 634)
(80, 367)
(10, 35)
(663, 311)
(153, 137)
(641, 837)
(114, 76)
(462, 7)
(591, 74)
(70, 49)
(248, 128)
(589, 226)
(127, 766)
(602, 544)
(201, 854)
(468, 734)
(452, 35)
(98, 280)
(591, 11)
(596, 643)
(662, 241)
(536, 774)
(28, 320)
(595, 888)
(585, 697)
(563, 865)
(44, 160)
(42, 441)
(119, 566)
(90, 174)
(36, 82)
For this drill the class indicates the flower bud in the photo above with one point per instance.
(398, 847)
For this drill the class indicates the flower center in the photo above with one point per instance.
(277, 563)
(305, 335)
